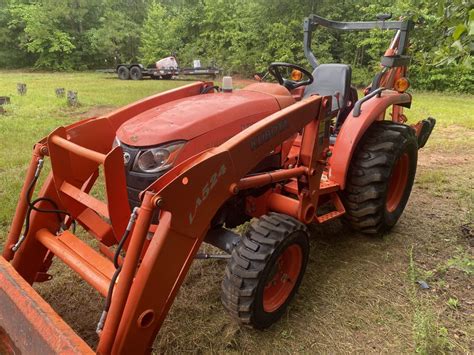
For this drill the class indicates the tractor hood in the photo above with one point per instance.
(188, 118)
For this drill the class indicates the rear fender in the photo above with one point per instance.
(354, 128)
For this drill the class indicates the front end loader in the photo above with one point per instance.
(185, 167)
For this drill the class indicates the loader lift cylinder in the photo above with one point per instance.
(22, 205)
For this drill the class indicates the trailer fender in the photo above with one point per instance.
(354, 128)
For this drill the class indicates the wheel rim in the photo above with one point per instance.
(397, 183)
(283, 278)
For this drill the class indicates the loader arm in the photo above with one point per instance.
(188, 197)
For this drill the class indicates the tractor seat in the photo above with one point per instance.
(332, 80)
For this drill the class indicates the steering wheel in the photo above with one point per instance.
(273, 69)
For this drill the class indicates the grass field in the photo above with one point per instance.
(360, 294)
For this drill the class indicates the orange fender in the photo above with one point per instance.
(354, 128)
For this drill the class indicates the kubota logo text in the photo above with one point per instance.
(268, 134)
(206, 190)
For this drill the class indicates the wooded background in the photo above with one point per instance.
(240, 36)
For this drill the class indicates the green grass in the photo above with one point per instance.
(435, 180)
(429, 336)
(354, 287)
(34, 115)
(455, 109)
(463, 261)
(453, 303)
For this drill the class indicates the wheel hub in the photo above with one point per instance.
(397, 183)
(282, 279)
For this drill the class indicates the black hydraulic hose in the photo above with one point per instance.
(55, 210)
(118, 269)
(108, 299)
(119, 248)
(32, 207)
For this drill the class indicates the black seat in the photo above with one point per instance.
(332, 80)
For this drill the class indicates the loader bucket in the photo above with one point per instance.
(28, 325)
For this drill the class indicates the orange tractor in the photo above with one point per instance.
(187, 166)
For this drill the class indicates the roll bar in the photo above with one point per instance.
(312, 21)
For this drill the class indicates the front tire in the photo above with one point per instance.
(265, 270)
(380, 177)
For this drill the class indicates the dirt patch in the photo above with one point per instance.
(436, 159)
(95, 111)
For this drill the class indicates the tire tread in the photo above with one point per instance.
(248, 260)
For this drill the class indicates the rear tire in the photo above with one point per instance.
(136, 73)
(265, 270)
(380, 177)
(123, 73)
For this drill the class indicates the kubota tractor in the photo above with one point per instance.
(187, 166)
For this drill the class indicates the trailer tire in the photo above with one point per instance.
(380, 177)
(123, 72)
(136, 73)
(265, 270)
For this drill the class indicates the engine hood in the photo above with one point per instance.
(188, 118)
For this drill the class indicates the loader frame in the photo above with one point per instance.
(153, 270)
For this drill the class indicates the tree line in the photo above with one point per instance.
(240, 36)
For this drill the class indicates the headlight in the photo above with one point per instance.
(157, 159)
